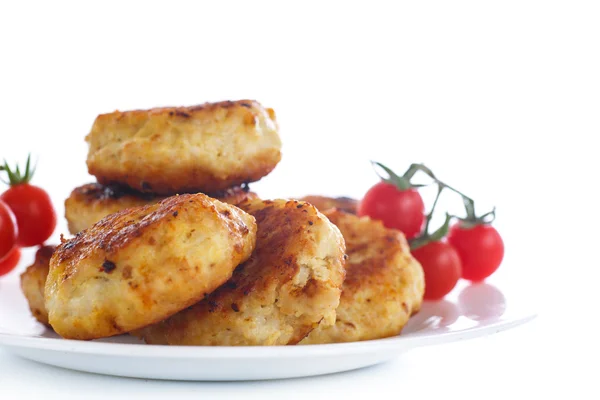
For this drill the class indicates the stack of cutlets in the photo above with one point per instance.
(155, 256)
(141, 157)
(171, 246)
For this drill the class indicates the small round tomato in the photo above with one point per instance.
(480, 248)
(36, 218)
(403, 210)
(441, 266)
(11, 260)
(8, 230)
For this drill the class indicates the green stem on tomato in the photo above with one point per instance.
(422, 168)
(430, 214)
(467, 201)
(399, 181)
(486, 218)
(15, 177)
(439, 233)
(411, 171)
(442, 231)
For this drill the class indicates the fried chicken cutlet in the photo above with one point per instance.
(204, 148)
(384, 284)
(140, 265)
(291, 282)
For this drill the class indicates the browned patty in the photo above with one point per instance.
(143, 264)
(384, 283)
(204, 148)
(90, 203)
(290, 283)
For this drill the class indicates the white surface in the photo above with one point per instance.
(499, 98)
(479, 310)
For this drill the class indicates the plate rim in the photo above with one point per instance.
(409, 340)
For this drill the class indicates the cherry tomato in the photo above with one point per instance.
(441, 265)
(8, 230)
(11, 260)
(403, 210)
(480, 248)
(36, 218)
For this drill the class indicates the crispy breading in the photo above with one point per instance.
(204, 148)
(90, 203)
(290, 283)
(33, 281)
(143, 264)
(324, 203)
(384, 284)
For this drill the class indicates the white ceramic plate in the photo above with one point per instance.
(471, 312)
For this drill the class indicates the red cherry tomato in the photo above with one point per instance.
(441, 265)
(8, 230)
(480, 248)
(36, 218)
(403, 210)
(11, 260)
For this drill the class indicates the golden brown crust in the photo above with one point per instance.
(33, 281)
(171, 150)
(290, 283)
(324, 203)
(143, 264)
(90, 203)
(384, 284)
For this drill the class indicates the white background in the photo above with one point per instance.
(501, 99)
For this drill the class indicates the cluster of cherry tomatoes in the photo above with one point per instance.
(27, 217)
(468, 247)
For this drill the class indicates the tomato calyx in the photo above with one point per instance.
(471, 222)
(472, 219)
(15, 176)
(403, 182)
